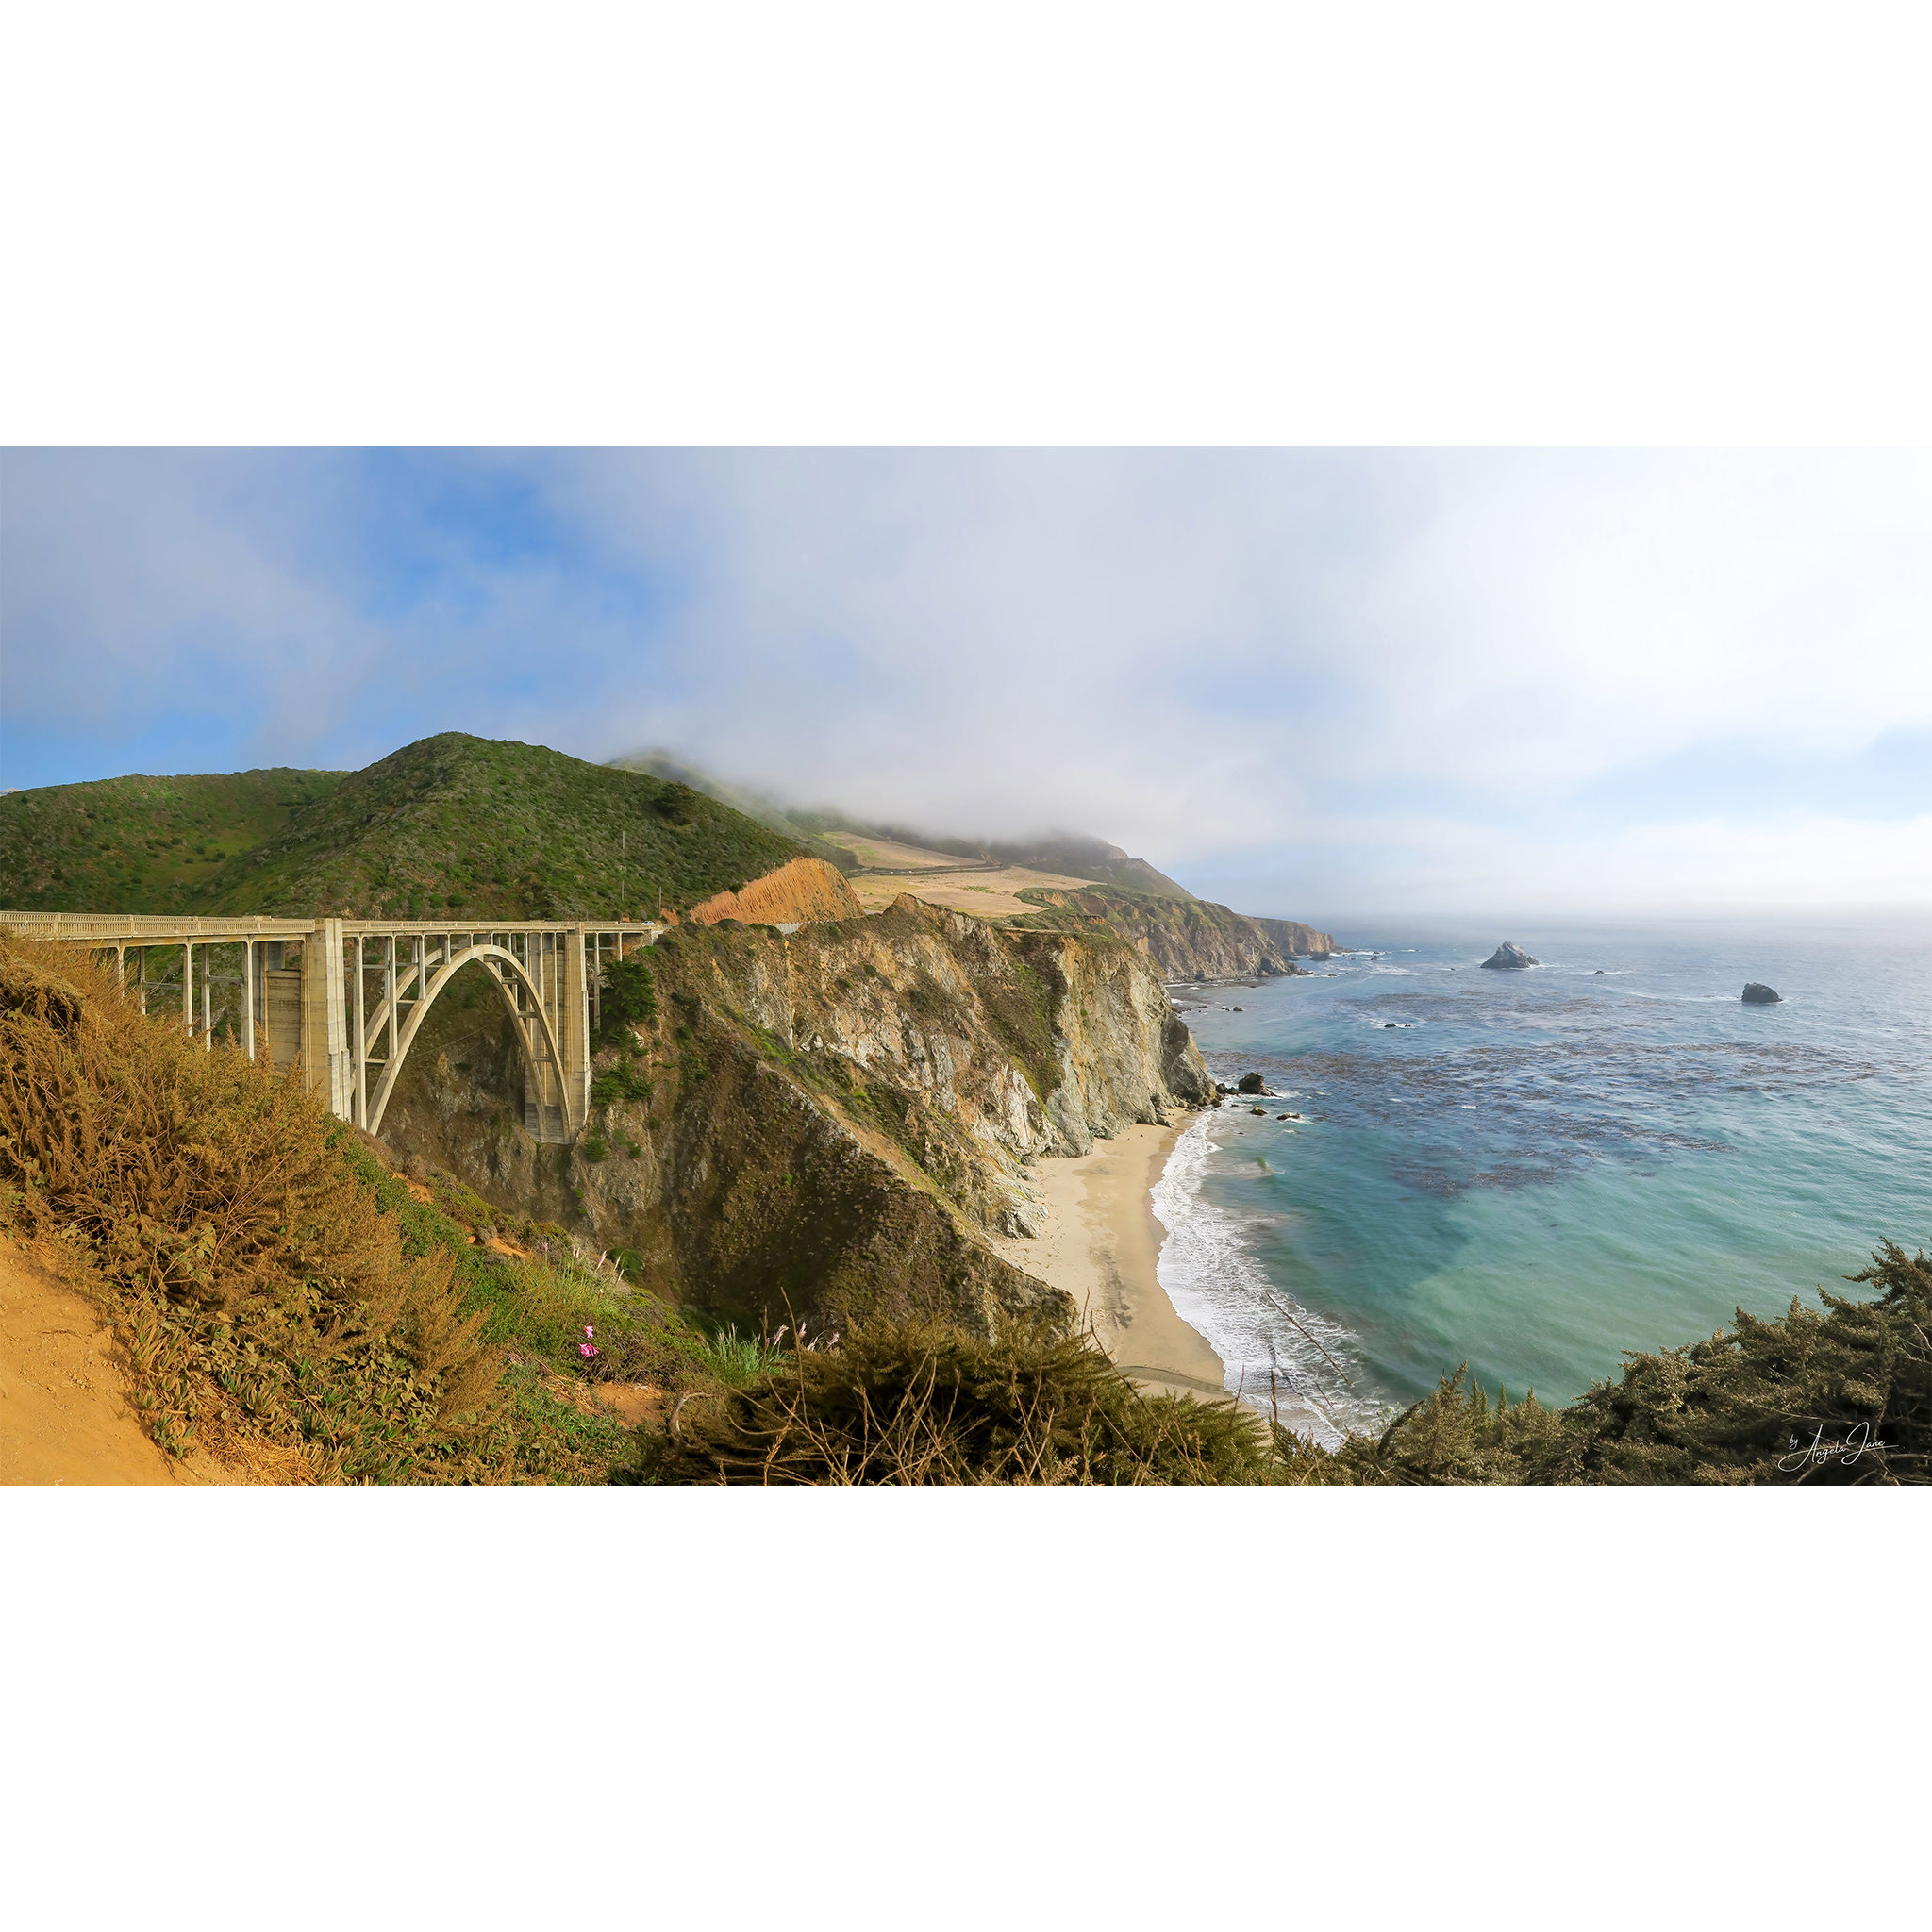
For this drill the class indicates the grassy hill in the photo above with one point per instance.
(450, 827)
(816, 831)
(142, 844)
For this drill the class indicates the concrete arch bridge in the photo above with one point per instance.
(344, 1000)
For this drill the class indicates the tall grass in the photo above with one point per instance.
(234, 1232)
(918, 1402)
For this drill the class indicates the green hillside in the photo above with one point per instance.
(450, 827)
(142, 844)
(810, 829)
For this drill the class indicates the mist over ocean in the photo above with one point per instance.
(1535, 1170)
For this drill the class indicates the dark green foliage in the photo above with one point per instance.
(676, 804)
(629, 998)
(620, 1082)
(899, 1402)
(142, 844)
(596, 1147)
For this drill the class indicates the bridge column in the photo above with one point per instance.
(325, 1070)
(361, 1057)
(573, 1032)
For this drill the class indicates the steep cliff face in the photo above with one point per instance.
(829, 1123)
(1195, 939)
(1290, 936)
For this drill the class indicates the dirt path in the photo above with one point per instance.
(63, 1412)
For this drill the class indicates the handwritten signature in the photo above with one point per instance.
(1846, 1449)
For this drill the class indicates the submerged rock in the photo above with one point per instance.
(1757, 994)
(1510, 954)
(1249, 1083)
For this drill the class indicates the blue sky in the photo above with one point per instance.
(1330, 685)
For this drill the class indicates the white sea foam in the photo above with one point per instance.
(1218, 1286)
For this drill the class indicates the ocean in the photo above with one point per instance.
(1534, 1171)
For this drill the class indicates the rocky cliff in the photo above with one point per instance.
(1185, 939)
(1292, 938)
(829, 1123)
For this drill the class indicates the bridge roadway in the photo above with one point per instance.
(343, 1000)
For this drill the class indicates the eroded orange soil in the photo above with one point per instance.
(63, 1409)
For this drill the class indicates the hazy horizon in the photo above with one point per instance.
(1354, 686)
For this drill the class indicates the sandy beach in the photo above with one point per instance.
(1101, 1243)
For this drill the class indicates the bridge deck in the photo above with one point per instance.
(157, 928)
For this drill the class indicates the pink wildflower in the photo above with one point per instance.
(589, 1331)
(585, 1350)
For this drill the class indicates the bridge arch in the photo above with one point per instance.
(507, 973)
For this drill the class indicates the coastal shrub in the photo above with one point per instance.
(1841, 1397)
(920, 1403)
(255, 1269)
(288, 1303)
(628, 998)
(619, 1083)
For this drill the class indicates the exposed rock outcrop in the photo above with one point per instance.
(831, 1122)
(1190, 938)
(1509, 953)
(1758, 994)
(1292, 937)
(802, 889)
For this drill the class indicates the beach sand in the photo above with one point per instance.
(1102, 1242)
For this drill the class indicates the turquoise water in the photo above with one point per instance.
(1535, 1170)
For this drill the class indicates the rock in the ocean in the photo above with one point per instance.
(1249, 1083)
(1761, 995)
(1509, 953)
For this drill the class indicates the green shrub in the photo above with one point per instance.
(620, 1082)
(628, 998)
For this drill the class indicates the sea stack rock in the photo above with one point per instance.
(1249, 1083)
(1757, 994)
(1509, 953)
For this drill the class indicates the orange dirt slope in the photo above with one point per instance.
(63, 1411)
(801, 889)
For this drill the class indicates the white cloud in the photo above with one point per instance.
(1189, 650)
(1404, 671)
